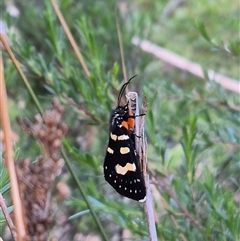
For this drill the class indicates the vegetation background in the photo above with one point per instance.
(192, 125)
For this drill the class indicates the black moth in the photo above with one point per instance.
(121, 166)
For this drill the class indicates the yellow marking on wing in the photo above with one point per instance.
(109, 150)
(123, 170)
(123, 137)
(113, 136)
(124, 150)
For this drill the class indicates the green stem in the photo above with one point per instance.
(84, 195)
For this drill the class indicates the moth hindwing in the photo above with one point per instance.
(121, 164)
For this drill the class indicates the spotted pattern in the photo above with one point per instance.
(128, 188)
(121, 168)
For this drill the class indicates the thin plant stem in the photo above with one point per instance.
(70, 38)
(41, 111)
(8, 218)
(9, 157)
(16, 63)
(101, 229)
(174, 197)
(149, 202)
(141, 147)
(121, 50)
(186, 65)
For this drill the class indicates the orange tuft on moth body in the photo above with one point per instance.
(131, 121)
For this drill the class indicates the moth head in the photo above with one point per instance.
(119, 115)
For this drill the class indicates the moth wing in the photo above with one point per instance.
(121, 167)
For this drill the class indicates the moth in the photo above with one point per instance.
(121, 165)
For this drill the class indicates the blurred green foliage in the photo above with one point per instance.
(192, 125)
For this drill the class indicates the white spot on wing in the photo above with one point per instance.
(142, 200)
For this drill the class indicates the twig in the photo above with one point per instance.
(149, 202)
(182, 63)
(141, 147)
(8, 218)
(9, 156)
(133, 103)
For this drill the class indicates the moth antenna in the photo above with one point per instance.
(122, 90)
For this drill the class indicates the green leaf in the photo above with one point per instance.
(201, 27)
